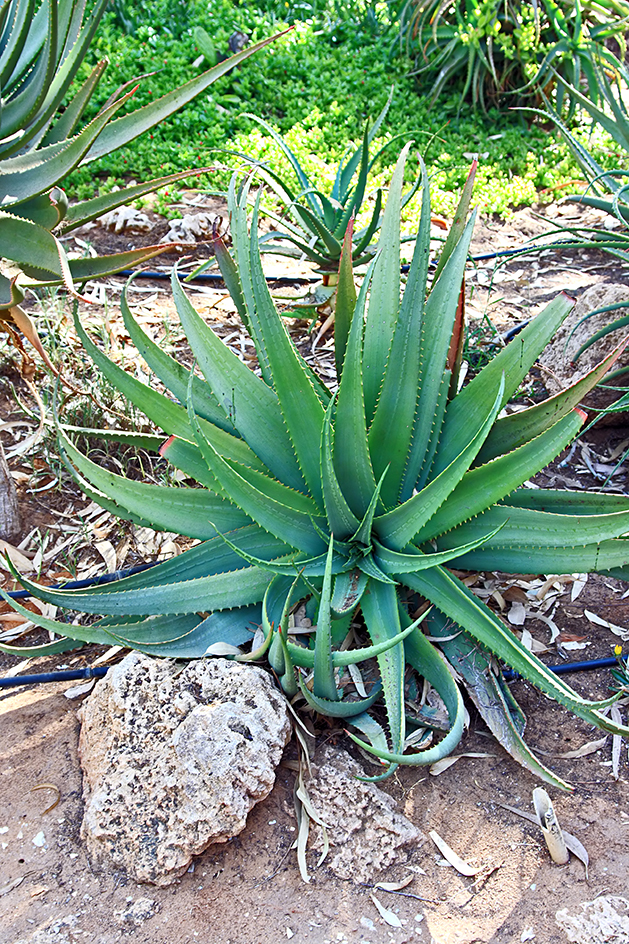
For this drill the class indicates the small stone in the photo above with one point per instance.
(174, 759)
(138, 912)
(39, 840)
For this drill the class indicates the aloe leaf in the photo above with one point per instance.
(305, 658)
(175, 376)
(292, 159)
(565, 502)
(287, 564)
(168, 415)
(18, 29)
(371, 729)
(348, 590)
(380, 609)
(221, 591)
(530, 557)
(271, 504)
(25, 102)
(246, 400)
(351, 453)
(460, 605)
(514, 430)
(46, 209)
(489, 693)
(211, 557)
(514, 361)
(437, 325)
(480, 488)
(369, 567)
(29, 174)
(323, 681)
(300, 405)
(125, 129)
(363, 532)
(231, 278)
(85, 211)
(428, 663)
(398, 527)
(527, 526)
(24, 242)
(392, 428)
(66, 123)
(182, 510)
(384, 300)
(352, 206)
(49, 649)
(10, 294)
(366, 235)
(339, 709)
(396, 562)
(459, 222)
(345, 300)
(341, 519)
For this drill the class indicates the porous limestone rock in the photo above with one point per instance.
(556, 362)
(174, 758)
(365, 830)
(602, 921)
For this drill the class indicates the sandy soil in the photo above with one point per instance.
(249, 891)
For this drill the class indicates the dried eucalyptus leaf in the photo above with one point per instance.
(389, 916)
(450, 855)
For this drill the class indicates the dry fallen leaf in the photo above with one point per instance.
(395, 886)
(450, 855)
(590, 748)
(440, 765)
(389, 916)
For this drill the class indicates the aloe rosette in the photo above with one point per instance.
(354, 500)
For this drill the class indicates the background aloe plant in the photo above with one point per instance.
(348, 499)
(315, 223)
(41, 51)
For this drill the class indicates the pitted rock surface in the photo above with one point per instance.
(175, 758)
(558, 369)
(366, 831)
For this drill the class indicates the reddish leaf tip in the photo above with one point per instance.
(164, 446)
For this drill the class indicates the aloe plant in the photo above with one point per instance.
(356, 501)
(314, 223)
(41, 142)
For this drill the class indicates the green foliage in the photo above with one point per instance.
(503, 52)
(318, 96)
(351, 499)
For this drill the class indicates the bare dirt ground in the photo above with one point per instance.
(249, 891)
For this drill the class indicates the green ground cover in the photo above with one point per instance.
(317, 86)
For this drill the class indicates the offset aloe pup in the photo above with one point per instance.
(356, 501)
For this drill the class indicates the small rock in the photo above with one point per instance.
(126, 219)
(175, 758)
(190, 227)
(366, 831)
(558, 371)
(138, 912)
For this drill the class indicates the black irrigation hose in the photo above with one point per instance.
(70, 675)
(213, 276)
(303, 279)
